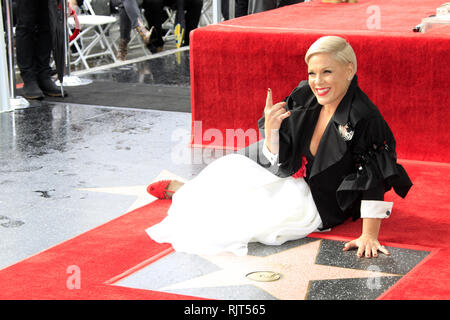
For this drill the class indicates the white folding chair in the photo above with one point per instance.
(206, 16)
(169, 24)
(93, 36)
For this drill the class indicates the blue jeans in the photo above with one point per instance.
(129, 14)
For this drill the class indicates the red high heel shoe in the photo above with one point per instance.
(159, 189)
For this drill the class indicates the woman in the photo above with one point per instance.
(334, 158)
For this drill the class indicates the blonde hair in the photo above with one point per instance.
(339, 47)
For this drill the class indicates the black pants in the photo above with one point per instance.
(33, 39)
(155, 16)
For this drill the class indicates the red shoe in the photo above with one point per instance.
(159, 190)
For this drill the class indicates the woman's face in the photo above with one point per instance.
(328, 78)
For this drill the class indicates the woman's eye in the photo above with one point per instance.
(327, 71)
(311, 73)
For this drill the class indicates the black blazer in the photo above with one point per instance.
(355, 160)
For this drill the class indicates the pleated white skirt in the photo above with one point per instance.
(232, 202)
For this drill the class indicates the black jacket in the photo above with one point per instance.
(355, 160)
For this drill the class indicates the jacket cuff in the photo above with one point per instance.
(376, 209)
(273, 158)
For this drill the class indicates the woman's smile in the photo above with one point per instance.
(322, 91)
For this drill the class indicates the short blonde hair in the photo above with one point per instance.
(335, 45)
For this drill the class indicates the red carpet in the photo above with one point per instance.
(101, 254)
(117, 248)
(404, 73)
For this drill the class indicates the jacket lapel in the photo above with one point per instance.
(333, 144)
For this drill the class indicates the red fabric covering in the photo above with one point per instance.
(404, 73)
(101, 254)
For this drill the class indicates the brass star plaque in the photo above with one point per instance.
(263, 276)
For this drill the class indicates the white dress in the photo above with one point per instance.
(232, 202)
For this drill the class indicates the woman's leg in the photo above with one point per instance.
(125, 32)
(132, 10)
(164, 189)
(154, 14)
(125, 24)
(174, 185)
(135, 17)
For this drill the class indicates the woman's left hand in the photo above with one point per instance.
(367, 245)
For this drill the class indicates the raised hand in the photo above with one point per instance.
(273, 117)
(274, 114)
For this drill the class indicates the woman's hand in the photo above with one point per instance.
(273, 117)
(274, 114)
(367, 244)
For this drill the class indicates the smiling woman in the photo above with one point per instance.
(333, 156)
(331, 67)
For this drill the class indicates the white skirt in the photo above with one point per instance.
(232, 202)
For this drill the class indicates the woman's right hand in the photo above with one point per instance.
(274, 114)
(273, 117)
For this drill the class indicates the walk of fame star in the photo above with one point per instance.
(297, 267)
(296, 263)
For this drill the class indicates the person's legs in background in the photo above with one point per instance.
(188, 17)
(283, 3)
(255, 6)
(125, 33)
(134, 14)
(241, 8)
(192, 17)
(154, 14)
(225, 9)
(180, 24)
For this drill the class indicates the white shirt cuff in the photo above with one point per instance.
(376, 209)
(273, 158)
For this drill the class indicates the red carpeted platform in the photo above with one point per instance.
(404, 73)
